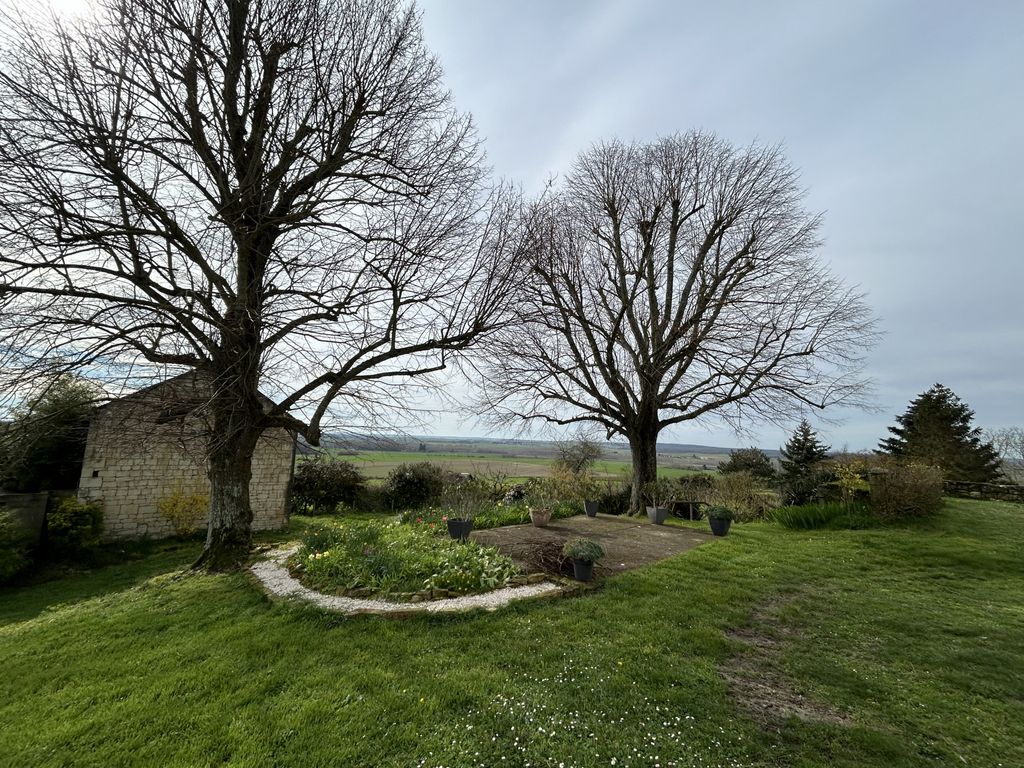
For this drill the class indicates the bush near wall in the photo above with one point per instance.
(14, 551)
(73, 527)
(320, 484)
(906, 491)
(186, 511)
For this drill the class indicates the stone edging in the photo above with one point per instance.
(276, 580)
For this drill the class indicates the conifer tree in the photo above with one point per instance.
(937, 429)
(801, 462)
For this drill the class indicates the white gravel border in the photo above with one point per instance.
(276, 580)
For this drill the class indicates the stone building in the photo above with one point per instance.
(148, 445)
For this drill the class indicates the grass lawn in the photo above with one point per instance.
(909, 639)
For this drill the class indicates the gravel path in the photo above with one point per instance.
(276, 579)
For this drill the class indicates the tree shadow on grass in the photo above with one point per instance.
(60, 584)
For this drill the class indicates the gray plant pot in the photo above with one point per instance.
(591, 508)
(657, 515)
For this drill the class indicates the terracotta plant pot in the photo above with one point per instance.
(590, 507)
(540, 517)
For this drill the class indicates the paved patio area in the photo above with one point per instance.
(628, 542)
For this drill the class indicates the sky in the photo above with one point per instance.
(906, 120)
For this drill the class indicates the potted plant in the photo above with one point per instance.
(583, 553)
(461, 503)
(659, 494)
(720, 518)
(591, 507)
(540, 516)
(541, 503)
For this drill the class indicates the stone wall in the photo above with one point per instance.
(142, 449)
(988, 491)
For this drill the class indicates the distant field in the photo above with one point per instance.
(377, 464)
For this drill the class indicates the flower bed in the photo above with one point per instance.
(488, 516)
(398, 561)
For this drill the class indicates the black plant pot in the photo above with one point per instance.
(657, 515)
(719, 525)
(591, 508)
(582, 570)
(459, 529)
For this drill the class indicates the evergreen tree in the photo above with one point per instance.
(937, 429)
(801, 462)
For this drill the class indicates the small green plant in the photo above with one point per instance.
(850, 479)
(392, 558)
(464, 498)
(186, 510)
(826, 514)
(720, 513)
(659, 493)
(587, 550)
(73, 527)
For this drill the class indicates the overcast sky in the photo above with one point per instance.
(905, 118)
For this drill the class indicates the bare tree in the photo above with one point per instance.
(670, 282)
(1009, 442)
(276, 194)
(578, 454)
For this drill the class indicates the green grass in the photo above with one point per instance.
(913, 633)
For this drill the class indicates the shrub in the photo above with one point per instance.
(391, 559)
(587, 550)
(321, 483)
(409, 486)
(462, 499)
(695, 487)
(739, 492)
(186, 511)
(73, 527)
(614, 498)
(14, 556)
(906, 491)
(751, 460)
(659, 493)
(574, 487)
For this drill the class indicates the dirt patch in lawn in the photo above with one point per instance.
(755, 679)
(628, 542)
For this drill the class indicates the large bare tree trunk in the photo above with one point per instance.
(644, 448)
(229, 534)
(236, 415)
